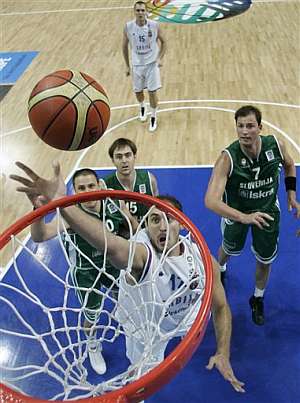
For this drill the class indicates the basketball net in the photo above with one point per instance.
(51, 324)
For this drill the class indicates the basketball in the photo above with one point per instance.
(68, 110)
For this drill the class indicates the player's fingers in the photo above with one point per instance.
(238, 386)
(257, 222)
(261, 218)
(232, 378)
(30, 192)
(211, 363)
(267, 216)
(27, 170)
(24, 181)
(265, 223)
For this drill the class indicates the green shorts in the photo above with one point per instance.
(89, 278)
(264, 241)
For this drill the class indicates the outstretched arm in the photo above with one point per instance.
(215, 191)
(222, 324)
(85, 225)
(42, 231)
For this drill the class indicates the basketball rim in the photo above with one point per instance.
(151, 382)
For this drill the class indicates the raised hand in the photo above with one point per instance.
(293, 204)
(223, 365)
(258, 218)
(40, 190)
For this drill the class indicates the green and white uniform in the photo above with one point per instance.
(84, 274)
(252, 186)
(142, 184)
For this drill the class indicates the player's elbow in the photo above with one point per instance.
(209, 201)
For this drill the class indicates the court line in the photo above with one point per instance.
(71, 10)
(217, 101)
(180, 101)
(74, 10)
(84, 152)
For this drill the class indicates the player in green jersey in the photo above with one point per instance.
(123, 154)
(243, 190)
(84, 274)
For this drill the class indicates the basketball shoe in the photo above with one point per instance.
(257, 308)
(143, 113)
(96, 358)
(153, 124)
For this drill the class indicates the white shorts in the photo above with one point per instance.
(136, 349)
(146, 77)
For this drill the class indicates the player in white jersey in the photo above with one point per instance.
(143, 35)
(162, 236)
(167, 295)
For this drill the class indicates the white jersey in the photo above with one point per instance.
(167, 297)
(143, 42)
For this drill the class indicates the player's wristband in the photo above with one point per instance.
(290, 183)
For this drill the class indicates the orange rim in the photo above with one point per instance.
(178, 358)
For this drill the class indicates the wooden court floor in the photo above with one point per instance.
(209, 71)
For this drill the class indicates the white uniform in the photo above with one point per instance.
(144, 53)
(164, 303)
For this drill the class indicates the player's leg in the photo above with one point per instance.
(153, 83)
(265, 247)
(138, 81)
(91, 302)
(222, 260)
(234, 238)
(135, 351)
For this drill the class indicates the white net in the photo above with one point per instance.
(57, 304)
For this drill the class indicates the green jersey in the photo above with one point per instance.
(142, 184)
(84, 249)
(253, 184)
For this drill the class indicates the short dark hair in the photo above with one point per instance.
(248, 110)
(84, 172)
(171, 199)
(142, 3)
(120, 143)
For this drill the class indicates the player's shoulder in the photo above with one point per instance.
(234, 146)
(190, 246)
(130, 24)
(152, 23)
(142, 173)
(142, 237)
(109, 178)
(269, 139)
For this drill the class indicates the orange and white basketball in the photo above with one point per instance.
(68, 110)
